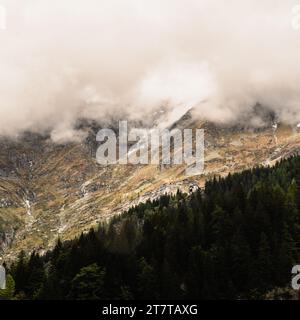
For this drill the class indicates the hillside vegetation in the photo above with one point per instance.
(237, 239)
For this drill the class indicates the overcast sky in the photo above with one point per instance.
(61, 60)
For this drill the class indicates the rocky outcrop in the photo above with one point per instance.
(49, 191)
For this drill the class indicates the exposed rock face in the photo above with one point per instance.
(49, 190)
(6, 239)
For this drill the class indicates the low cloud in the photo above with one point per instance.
(62, 60)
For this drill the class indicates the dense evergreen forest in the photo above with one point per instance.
(237, 239)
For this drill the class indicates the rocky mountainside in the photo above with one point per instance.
(52, 190)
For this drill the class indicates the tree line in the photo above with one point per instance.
(238, 238)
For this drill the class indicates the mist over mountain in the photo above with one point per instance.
(66, 60)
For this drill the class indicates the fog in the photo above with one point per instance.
(63, 60)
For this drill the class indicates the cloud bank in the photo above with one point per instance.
(62, 60)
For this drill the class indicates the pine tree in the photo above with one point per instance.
(20, 273)
(147, 282)
(88, 284)
(8, 292)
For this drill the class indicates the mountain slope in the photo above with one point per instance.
(49, 191)
(237, 239)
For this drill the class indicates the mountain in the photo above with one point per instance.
(50, 190)
(239, 238)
